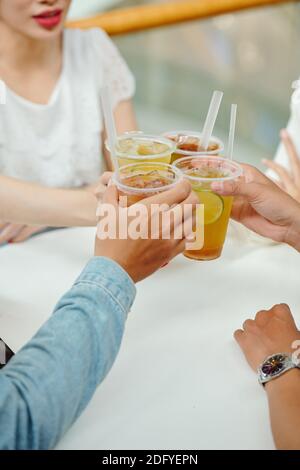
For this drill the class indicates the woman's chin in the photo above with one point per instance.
(39, 33)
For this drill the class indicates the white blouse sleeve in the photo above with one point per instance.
(115, 71)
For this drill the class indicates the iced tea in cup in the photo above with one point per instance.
(188, 143)
(137, 147)
(201, 172)
(138, 181)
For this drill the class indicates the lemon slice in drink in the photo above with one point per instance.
(213, 206)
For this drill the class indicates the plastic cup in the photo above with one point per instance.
(137, 147)
(214, 142)
(201, 172)
(138, 181)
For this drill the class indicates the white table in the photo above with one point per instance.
(180, 380)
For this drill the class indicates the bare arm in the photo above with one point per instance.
(264, 208)
(27, 203)
(274, 331)
(125, 121)
(284, 403)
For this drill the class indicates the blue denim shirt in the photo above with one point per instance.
(46, 386)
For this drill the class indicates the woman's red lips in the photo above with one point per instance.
(49, 19)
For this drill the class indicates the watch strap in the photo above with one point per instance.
(286, 364)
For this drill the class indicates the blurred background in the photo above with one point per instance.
(253, 56)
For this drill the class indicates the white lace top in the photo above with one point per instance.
(59, 144)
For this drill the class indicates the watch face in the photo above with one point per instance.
(274, 365)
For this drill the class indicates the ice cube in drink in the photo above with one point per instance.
(188, 143)
(139, 147)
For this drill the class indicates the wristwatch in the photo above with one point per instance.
(274, 366)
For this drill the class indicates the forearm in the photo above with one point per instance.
(32, 204)
(47, 385)
(284, 403)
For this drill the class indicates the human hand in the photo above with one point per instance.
(289, 181)
(98, 188)
(143, 256)
(17, 233)
(273, 331)
(263, 207)
(102, 184)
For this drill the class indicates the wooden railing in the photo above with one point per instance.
(128, 20)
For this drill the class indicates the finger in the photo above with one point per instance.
(253, 175)
(283, 312)
(180, 228)
(100, 190)
(111, 196)
(188, 207)
(240, 187)
(292, 153)
(283, 174)
(26, 233)
(176, 195)
(103, 183)
(191, 226)
(170, 220)
(248, 324)
(262, 318)
(278, 183)
(240, 336)
(184, 212)
(179, 248)
(106, 177)
(9, 232)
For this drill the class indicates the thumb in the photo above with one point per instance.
(238, 187)
(106, 177)
(111, 196)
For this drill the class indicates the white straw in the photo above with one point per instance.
(109, 124)
(232, 131)
(211, 118)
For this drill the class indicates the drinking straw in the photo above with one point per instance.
(211, 118)
(109, 124)
(232, 131)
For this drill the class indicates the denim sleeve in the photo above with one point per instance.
(46, 386)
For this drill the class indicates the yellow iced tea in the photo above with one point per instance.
(217, 211)
(140, 148)
(201, 172)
